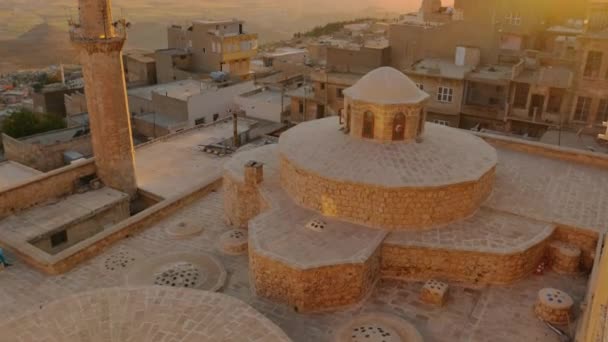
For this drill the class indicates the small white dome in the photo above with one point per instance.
(386, 86)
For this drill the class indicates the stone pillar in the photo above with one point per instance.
(100, 55)
(565, 258)
(254, 173)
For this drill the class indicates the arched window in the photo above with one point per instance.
(368, 125)
(399, 127)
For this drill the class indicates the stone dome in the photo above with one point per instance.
(386, 86)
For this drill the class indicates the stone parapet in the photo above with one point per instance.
(419, 263)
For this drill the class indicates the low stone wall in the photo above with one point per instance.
(546, 150)
(46, 186)
(586, 240)
(418, 263)
(397, 209)
(317, 289)
(66, 260)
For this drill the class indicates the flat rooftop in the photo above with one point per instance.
(181, 90)
(159, 119)
(492, 74)
(439, 68)
(13, 173)
(267, 95)
(176, 165)
(46, 218)
(285, 51)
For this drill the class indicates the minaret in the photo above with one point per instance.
(100, 41)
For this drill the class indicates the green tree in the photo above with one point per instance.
(23, 123)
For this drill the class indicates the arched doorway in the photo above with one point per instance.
(399, 127)
(368, 125)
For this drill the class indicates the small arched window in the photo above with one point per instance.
(368, 125)
(399, 127)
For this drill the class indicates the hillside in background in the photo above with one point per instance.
(33, 33)
(41, 46)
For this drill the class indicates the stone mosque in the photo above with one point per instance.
(304, 228)
(323, 204)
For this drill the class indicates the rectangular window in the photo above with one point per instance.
(513, 18)
(593, 64)
(322, 86)
(581, 112)
(59, 238)
(420, 86)
(199, 121)
(300, 107)
(521, 95)
(602, 111)
(445, 94)
(340, 93)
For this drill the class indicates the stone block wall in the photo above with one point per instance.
(417, 263)
(384, 117)
(316, 289)
(39, 189)
(396, 209)
(86, 227)
(44, 157)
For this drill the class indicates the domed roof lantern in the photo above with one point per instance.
(386, 86)
(385, 106)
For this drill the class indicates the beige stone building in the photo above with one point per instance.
(206, 46)
(140, 67)
(524, 78)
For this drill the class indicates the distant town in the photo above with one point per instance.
(519, 75)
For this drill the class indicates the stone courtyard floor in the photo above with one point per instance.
(497, 314)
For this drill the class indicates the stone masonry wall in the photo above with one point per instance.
(44, 187)
(397, 209)
(417, 263)
(384, 117)
(584, 239)
(44, 157)
(315, 289)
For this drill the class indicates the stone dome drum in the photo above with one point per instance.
(385, 105)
